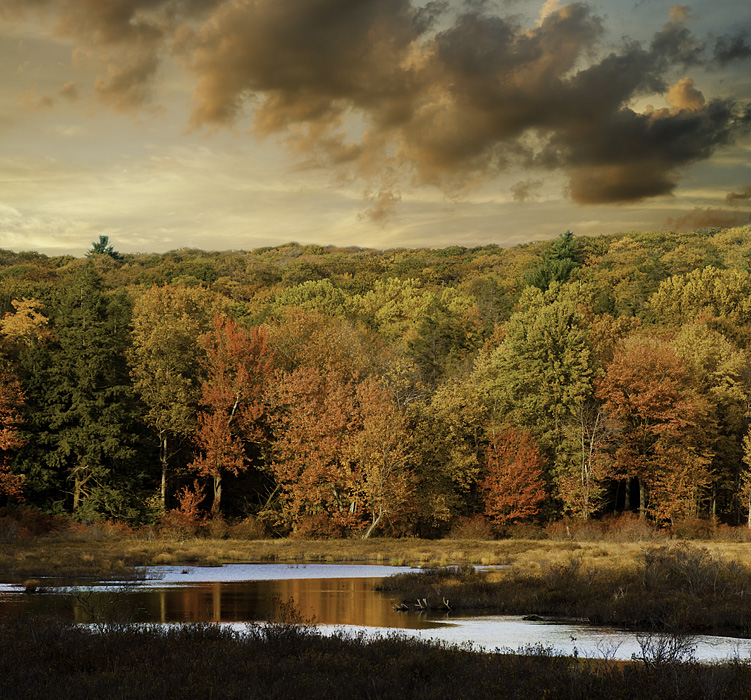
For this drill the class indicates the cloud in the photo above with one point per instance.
(709, 218)
(32, 101)
(525, 189)
(732, 48)
(739, 198)
(441, 98)
(713, 217)
(69, 91)
(383, 203)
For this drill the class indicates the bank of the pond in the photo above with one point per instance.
(112, 557)
(677, 588)
(42, 659)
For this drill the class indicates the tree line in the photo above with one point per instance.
(330, 391)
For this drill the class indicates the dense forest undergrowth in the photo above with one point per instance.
(338, 393)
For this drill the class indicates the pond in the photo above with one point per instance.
(336, 597)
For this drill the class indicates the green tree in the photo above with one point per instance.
(103, 247)
(165, 363)
(540, 377)
(558, 263)
(721, 374)
(81, 415)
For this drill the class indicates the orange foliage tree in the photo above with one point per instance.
(315, 414)
(661, 424)
(237, 368)
(10, 437)
(512, 485)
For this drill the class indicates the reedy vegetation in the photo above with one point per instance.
(42, 659)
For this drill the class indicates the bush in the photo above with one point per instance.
(692, 529)
(312, 527)
(216, 527)
(24, 522)
(252, 528)
(474, 527)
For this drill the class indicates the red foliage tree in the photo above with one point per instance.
(512, 486)
(10, 437)
(237, 368)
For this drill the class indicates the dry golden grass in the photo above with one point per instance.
(61, 557)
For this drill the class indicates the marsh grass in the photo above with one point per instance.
(42, 659)
(681, 588)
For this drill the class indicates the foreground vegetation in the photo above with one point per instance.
(44, 659)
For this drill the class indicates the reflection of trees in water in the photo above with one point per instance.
(327, 601)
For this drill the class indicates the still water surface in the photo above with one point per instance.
(337, 597)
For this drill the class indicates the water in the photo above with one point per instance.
(337, 597)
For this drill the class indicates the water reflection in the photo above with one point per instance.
(333, 596)
(336, 601)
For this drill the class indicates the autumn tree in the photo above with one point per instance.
(378, 448)
(722, 298)
(26, 324)
(308, 338)
(236, 370)
(10, 435)
(661, 424)
(315, 412)
(512, 485)
(541, 376)
(165, 362)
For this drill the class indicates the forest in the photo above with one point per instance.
(344, 392)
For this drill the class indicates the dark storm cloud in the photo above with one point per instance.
(446, 99)
(732, 48)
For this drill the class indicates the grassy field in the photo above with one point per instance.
(111, 557)
(62, 556)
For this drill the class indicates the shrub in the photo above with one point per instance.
(216, 527)
(474, 527)
(252, 528)
(185, 520)
(692, 529)
(321, 526)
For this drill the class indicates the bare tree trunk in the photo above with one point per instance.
(217, 493)
(373, 525)
(163, 460)
(642, 500)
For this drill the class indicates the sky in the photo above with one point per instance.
(235, 124)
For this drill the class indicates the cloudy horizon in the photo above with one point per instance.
(234, 124)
